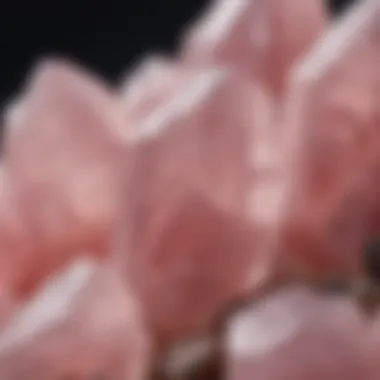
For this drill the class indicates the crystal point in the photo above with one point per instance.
(331, 138)
(64, 152)
(81, 324)
(186, 219)
(258, 38)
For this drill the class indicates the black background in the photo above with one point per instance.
(107, 36)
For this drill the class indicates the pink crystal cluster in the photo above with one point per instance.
(136, 219)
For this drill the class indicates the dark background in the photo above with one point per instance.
(107, 36)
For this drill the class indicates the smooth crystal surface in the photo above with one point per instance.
(185, 229)
(64, 149)
(296, 335)
(153, 83)
(331, 139)
(83, 323)
(16, 242)
(261, 39)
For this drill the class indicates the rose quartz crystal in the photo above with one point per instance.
(83, 324)
(331, 134)
(16, 242)
(259, 38)
(185, 226)
(215, 192)
(154, 82)
(64, 152)
(297, 335)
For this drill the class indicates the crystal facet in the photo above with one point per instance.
(331, 137)
(259, 38)
(186, 226)
(63, 154)
(82, 324)
(296, 335)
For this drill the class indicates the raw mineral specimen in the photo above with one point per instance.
(186, 239)
(199, 185)
(297, 335)
(261, 39)
(64, 150)
(331, 137)
(82, 324)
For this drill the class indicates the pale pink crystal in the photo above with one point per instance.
(64, 149)
(16, 242)
(185, 230)
(297, 335)
(260, 38)
(331, 136)
(82, 324)
(154, 82)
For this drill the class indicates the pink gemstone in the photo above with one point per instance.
(82, 324)
(185, 226)
(154, 82)
(331, 135)
(259, 38)
(297, 335)
(16, 242)
(64, 152)
(17, 251)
